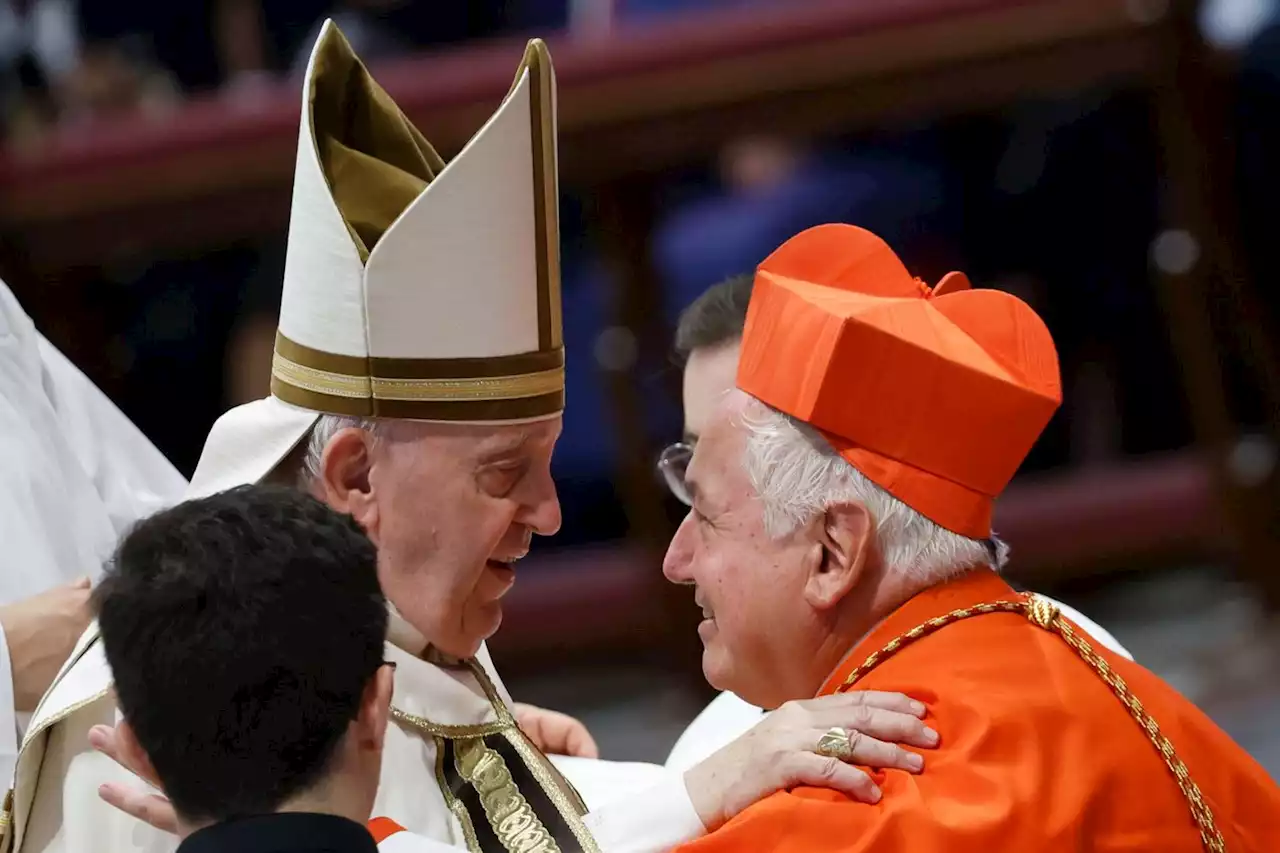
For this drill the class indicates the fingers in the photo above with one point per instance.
(899, 702)
(820, 771)
(896, 728)
(555, 733)
(880, 723)
(151, 809)
(106, 740)
(103, 739)
(580, 743)
(869, 751)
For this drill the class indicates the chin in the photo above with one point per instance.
(716, 669)
(720, 673)
(481, 624)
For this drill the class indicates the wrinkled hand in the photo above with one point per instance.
(555, 733)
(150, 807)
(778, 753)
(41, 632)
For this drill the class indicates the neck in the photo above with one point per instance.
(402, 635)
(856, 617)
(334, 796)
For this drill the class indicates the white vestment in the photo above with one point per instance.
(74, 474)
(438, 712)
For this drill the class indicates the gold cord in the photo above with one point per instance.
(1045, 615)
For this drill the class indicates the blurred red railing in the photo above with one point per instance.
(637, 102)
(220, 168)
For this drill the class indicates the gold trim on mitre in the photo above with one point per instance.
(546, 182)
(377, 168)
(495, 388)
(374, 160)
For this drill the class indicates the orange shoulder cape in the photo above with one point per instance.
(1037, 751)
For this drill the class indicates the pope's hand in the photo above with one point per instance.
(780, 752)
(150, 807)
(555, 733)
(41, 631)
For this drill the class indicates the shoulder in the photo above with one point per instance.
(83, 679)
(56, 759)
(809, 820)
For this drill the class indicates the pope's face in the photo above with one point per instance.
(456, 507)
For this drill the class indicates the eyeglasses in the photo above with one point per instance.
(673, 462)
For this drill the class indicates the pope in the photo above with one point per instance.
(417, 386)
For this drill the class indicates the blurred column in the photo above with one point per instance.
(1198, 258)
(639, 342)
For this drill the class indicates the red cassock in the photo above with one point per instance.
(1038, 752)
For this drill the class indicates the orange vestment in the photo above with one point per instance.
(1037, 753)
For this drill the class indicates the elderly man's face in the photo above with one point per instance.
(453, 508)
(750, 586)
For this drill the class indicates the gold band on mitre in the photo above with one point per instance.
(546, 199)
(495, 388)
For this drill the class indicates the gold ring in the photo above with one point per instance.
(835, 744)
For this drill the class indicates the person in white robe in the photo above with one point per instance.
(74, 474)
(417, 385)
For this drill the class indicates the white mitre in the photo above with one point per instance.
(412, 289)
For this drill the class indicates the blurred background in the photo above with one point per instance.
(1113, 162)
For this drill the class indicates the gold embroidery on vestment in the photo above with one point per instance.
(455, 805)
(512, 818)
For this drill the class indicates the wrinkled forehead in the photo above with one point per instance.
(481, 439)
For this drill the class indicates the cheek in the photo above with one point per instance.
(747, 588)
(720, 576)
(735, 608)
(483, 528)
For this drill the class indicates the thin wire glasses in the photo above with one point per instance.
(673, 462)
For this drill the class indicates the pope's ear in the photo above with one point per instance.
(843, 543)
(344, 481)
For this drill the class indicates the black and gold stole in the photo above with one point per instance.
(505, 793)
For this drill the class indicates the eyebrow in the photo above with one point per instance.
(505, 448)
(690, 437)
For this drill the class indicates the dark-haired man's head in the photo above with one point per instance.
(707, 339)
(245, 634)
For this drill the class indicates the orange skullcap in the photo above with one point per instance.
(936, 395)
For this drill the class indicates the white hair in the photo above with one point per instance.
(326, 427)
(798, 475)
